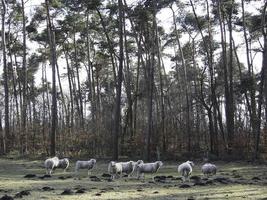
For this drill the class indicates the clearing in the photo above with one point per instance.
(234, 180)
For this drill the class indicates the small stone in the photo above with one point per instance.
(6, 197)
(67, 192)
(184, 186)
(30, 176)
(46, 188)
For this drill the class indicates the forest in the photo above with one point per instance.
(166, 79)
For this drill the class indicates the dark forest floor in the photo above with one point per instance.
(234, 180)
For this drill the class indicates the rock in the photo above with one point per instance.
(98, 194)
(195, 178)
(139, 190)
(22, 193)
(45, 176)
(176, 179)
(6, 197)
(95, 178)
(30, 176)
(256, 178)
(237, 176)
(80, 191)
(200, 183)
(47, 188)
(190, 198)
(61, 177)
(106, 175)
(67, 192)
(209, 182)
(184, 186)
(160, 177)
(170, 177)
(156, 192)
(223, 180)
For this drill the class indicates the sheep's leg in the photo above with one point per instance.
(138, 175)
(89, 172)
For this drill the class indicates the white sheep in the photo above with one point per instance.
(143, 168)
(115, 169)
(185, 169)
(88, 164)
(50, 164)
(209, 169)
(63, 163)
(128, 167)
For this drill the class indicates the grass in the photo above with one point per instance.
(243, 184)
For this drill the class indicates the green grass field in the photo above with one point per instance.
(244, 181)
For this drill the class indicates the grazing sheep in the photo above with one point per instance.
(114, 169)
(127, 167)
(143, 168)
(209, 169)
(185, 169)
(137, 163)
(64, 164)
(50, 164)
(88, 164)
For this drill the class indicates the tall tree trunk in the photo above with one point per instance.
(262, 81)
(24, 87)
(188, 129)
(52, 44)
(5, 76)
(78, 83)
(118, 87)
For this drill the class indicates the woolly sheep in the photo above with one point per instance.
(127, 167)
(114, 169)
(209, 169)
(143, 168)
(88, 164)
(63, 163)
(50, 164)
(185, 169)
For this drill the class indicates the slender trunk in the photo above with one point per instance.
(188, 129)
(78, 82)
(52, 45)
(5, 76)
(262, 82)
(24, 87)
(70, 90)
(118, 86)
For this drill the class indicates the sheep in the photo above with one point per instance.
(185, 169)
(50, 164)
(128, 167)
(143, 168)
(209, 169)
(64, 164)
(88, 164)
(114, 169)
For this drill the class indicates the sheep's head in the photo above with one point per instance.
(112, 163)
(93, 161)
(131, 163)
(139, 162)
(159, 163)
(191, 163)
